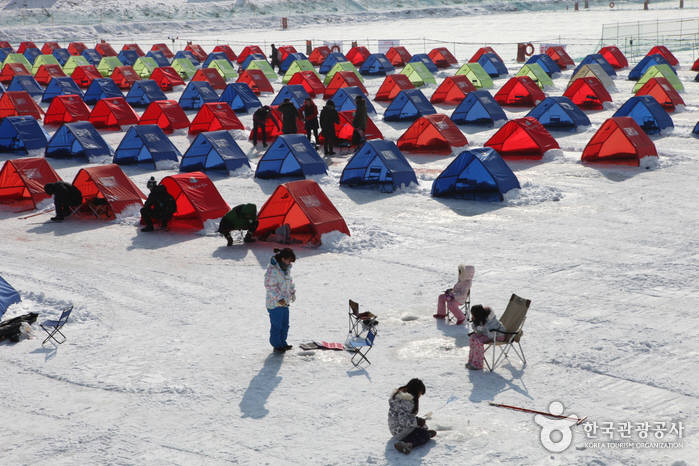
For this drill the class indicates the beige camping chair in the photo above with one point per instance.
(513, 320)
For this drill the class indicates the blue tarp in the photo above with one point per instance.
(478, 108)
(378, 163)
(290, 58)
(290, 155)
(188, 55)
(409, 105)
(143, 92)
(25, 83)
(647, 113)
(424, 58)
(21, 134)
(196, 94)
(330, 61)
(61, 56)
(344, 99)
(646, 62)
(8, 296)
(215, 56)
(62, 85)
(214, 150)
(145, 143)
(492, 64)
(598, 59)
(559, 113)
(159, 57)
(376, 64)
(240, 97)
(92, 56)
(78, 139)
(294, 92)
(546, 63)
(128, 57)
(101, 88)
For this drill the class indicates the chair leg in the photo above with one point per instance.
(51, 335)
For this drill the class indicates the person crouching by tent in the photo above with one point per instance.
(484, 325)
(259, 122)
(280, 293)
(359, 121)
(406, 427)
(310, 119)
(328, 119)
(289, 115)
(455, 297)
(241, 217)
(159, 206)
(65, 196)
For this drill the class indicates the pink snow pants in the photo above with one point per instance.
(453, 307)
(475, 346)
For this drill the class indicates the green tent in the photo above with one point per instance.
(476, 74)
(341, 66)
(418, 74)
(145, 66)
(537, 73)
(662, 71)
(184, 67)
(265, 67)
(107, 65)
(73, 62)
(224, 68)
(295, 67)
(594, 70)
(17, 58)
(44, 60)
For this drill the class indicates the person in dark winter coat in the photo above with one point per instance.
(274, 57)
(65, 196)
(241, 217)
(310, 119)
(289, 115)
(280, 293)
(328, 119)
(359, 121)
(259, 123)
(406, 427)
(160, 206)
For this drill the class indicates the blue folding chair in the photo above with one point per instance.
(53, 327)
(361, 347)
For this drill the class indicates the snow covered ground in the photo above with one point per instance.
(167, 360)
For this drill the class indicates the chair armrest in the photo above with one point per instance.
(506, 333)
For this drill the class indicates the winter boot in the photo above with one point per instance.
(432, 433)
(56, 219)
(147, 228)
(248, 238)
(403, 447)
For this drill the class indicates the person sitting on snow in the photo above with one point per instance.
(160, 206)
(65, 196)
(406, 427)
(241, 217)
(456, 296)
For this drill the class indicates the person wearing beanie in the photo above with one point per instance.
(406, 427)
(160, 206)
(280, 293)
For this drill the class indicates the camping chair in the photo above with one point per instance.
(361, 346)
(54, 326)
(465, 308)
(359, 321)
(512, 319)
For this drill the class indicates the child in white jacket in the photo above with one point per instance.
(484, 324)
(280, 293)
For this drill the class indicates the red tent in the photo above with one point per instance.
(163, 48)
(257, 81)
(76, 48)
(665, 52)
(483, 50)
(10, 70)
(125, 76)
(230, 54)
(167, 78)
(435, 134)
(319, 54)
(695, 66)
(520, 91)
(84, 75)
(65, 109)
(197, 200)
(613, 55)
(6, 45)
(588, 93)
(247, 51)
(344, 129)
(46, 73)
(27, 44)
(523, 138)
(19, 103)
(284, 51)
(442, 57)
(343, 79)
(662, 91)
(210, 75)
(398, 55)
(392, 85)
(135, 48)
(358, 55)
(23, 180)
(49, 47)
(214, 116)
(165, 113)
(305, 208)
(197, 51)
(105, 49)
(560, 56)
(273, 126)
(619, 141)
(112, 113)
(110, 184)
(453, 90)
(310, 81)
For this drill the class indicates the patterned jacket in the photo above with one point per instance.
(279, 285)
(401, 420)
(491, 324)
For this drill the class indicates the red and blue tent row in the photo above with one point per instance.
(167, 78)
(344, 130)
(273, 126)
(560, 56)
(108, 183)
(84, 75)
(661, 90)
(614, 56)
(46, 73)
(101, 88)
(248, 50)
(480, 52)
(665, 52)
(290, 156)
(240, 97)
(76, 48)
(432, 134)
(285, 50)
(357, 55)
(22, 181)
(398, 55)
(105, 49)
(214, 116)
(211, 76)
(49, 47)
(378, 164)
(442, 57)
(19, 103)
(197, 51)
(588, 93)
(230, 54)
(164, 49)
(66, 109)
(214, 150)
(144, 92)
(305, 208)
(135, 47)
(113, 113)
(647, 113)
(408, 105)
(197, 200)
(319, 54)
(167, 114)
(10, 70)
(452, 90)
(257, 81)
(125, 76)
(559, 113)
(310, 81)
(147, 144)
(522, 138)
(27, 44)
(196, 94)
(391, 86)
(79, 140)
(620, 141)
(21, 134)
(343, 79)
(520, 91)
(60, 86)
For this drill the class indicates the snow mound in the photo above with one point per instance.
(531, 194)
(363, 238)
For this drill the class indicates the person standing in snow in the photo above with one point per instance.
(310, 119)
(406, 427)
(259, 124)
(328, 119)
(456, 296)
(484, 325)
(274, 57)
(359, 121)
(289, 116)
(280, 293)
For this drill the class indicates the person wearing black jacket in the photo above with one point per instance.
(328, 119)
(274, 57)
(159, 206)
(310, 119)
(359, 121)
(259, 123)
(65, 196)
(289, 116)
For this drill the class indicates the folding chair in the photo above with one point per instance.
(512, 319)
(361, 346)
(359, 321)
(54, 326)
(465, 308)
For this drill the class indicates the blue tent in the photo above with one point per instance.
(143, 92)
(62, 85)
(696, 130)
(330, 61)
(546, 63)
(409, 105)
(294, 92)
(559, 113)
(478, 174)
(92, 56)
(213, 150)
(196, 94)
(21, 134)
(240, 97)
(159, 57)
(696, 78)
(101, 88)
(478, 108)
(424, 58)
(61, 55)
(4, 52)
(380, 164)
(128, 57)
(188, 55)
(290, 155)
(492, 64)
(215, 56)
(31, 53)
(598, 59)
(251, 57)
(646, 62)
(145, 143)
(25, 83)
(344, 99)
(8, 296)
(291, 58)
(78, 139)
(376, 64)
(647, 113)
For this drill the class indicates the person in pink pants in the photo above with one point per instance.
(456, 296)
(484, 325)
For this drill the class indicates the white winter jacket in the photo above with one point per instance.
(490, 325)
(279, 285)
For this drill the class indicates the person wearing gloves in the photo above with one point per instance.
(280, 293)
(406, 427)
(484, 325)
(456, 296)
